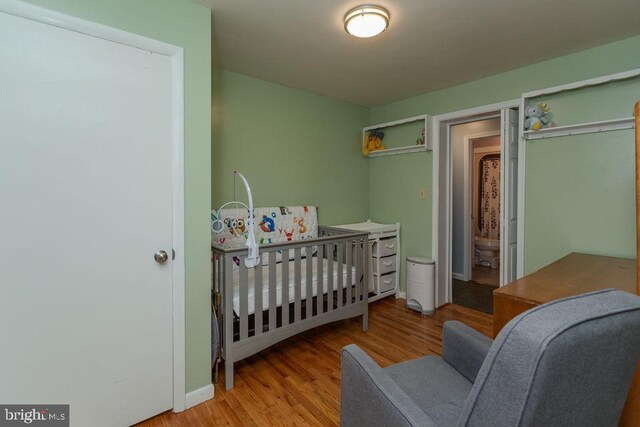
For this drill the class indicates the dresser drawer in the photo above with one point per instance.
(386, 282)
(385, 247)
(384, 265)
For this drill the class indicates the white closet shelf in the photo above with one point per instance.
(580, 128)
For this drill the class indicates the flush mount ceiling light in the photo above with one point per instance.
(366, 21)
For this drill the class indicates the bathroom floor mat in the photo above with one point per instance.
(473, 295)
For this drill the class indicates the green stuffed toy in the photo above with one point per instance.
(537, 117)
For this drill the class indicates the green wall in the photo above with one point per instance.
(580, 197)
(579, 189)
(293, 147)
(186, 24)
(395, 182)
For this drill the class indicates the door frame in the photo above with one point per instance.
(176, 55)
(441, 239)
(468, 247)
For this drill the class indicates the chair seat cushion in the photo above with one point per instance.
(447, 414)
(430, 382)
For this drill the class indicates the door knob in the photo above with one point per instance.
(161, 257)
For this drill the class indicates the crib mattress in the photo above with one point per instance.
(303, 292)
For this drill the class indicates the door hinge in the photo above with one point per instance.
(173, 254)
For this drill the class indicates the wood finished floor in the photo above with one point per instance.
(297, 382)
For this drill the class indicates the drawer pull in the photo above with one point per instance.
(388, 263)
(389, 246)
(387, 282)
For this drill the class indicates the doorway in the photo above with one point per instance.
(497, 120)
(475, 245)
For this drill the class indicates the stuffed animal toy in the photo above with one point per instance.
(420, 141)
(537, 117)
(374, 143)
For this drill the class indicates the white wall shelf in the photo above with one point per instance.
(398, 150)
(580, 129)
(626, 75)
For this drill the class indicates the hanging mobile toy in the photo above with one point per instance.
(217, 226)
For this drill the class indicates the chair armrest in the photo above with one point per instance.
(464, 348)
(369, 397)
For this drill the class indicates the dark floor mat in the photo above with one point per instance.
(473, 295)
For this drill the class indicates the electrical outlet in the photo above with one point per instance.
(422, 194)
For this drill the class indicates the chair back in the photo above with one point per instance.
(566, 363)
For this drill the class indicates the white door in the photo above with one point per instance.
(85, 202)
(443, 226)
(509, 196)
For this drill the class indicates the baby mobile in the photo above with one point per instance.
(239, 225)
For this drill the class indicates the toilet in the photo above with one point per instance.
(487, 252)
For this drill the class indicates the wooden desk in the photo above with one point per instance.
(572, 275)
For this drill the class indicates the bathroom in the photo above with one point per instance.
(476, 161)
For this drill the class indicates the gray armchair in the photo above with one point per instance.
(566, 363)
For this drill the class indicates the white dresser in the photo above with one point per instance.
(384, 240)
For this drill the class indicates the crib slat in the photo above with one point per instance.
(358, 265)
(361, 268)
(257, 297)
(320, 280)
(244, 297)
(227, 292)
(349, 262)
(309, 277)
(219, 264)
(272, 305)
(285, 287)
(340, 273)
(216, 271)
(329, 252)
(297, 284)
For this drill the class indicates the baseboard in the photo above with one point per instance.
(200, 395)
(401, 294)
(458, 276)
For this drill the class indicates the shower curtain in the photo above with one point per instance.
(489, 205)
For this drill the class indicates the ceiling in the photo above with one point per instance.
(430, 44)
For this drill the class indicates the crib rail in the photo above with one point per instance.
(299, 285)
(325, 235)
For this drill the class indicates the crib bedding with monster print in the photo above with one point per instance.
(309, 275)
(272, 225)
